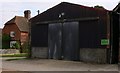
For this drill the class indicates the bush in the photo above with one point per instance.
(25, 47)
(6, 37)
(16, 45)
(5, 41)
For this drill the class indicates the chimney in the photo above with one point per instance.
(27, 14)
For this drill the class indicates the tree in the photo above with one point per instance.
(99, 7)
(5, 41)
(6, 37)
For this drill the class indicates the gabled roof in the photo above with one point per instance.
(117, 8)
(69, 10)
(21, 22)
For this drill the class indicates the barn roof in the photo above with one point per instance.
(117, 8)
(21, 22)
(69, 10)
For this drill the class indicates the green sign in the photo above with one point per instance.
(105, 42)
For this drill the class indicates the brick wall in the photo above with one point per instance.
(24, 37)
(12, 27)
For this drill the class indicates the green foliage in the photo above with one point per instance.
(5, 46)
(99, 7)
(14, 55)
(6, 37)
(16, 45)
(5, 41)
(25, 47)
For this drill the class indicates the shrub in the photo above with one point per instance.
(5, 41)
(16, 45)
(25, 47)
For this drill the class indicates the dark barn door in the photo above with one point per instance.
(54, 40)
(70, 40)
(115, 37)
(63, 41)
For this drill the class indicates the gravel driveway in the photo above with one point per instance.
(54, 65)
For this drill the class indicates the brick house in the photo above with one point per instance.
(17, 28)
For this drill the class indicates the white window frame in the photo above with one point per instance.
(12, 34)
(12, 44)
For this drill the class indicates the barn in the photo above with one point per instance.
(117, 10)
(75, 32)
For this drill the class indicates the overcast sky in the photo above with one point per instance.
(11, 8)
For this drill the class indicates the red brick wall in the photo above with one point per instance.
(24, 37)
(12, 27)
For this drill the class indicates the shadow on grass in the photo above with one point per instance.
(12, 59)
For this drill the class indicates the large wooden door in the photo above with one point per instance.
(54, 40)
(71, 40)
(63, 40)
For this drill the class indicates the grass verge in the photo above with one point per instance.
(14, 55)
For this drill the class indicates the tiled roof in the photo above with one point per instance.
(21, 22)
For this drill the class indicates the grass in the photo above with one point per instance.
(14, 55)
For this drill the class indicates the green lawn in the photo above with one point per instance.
(14, 55)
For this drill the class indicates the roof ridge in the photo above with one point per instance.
(84, 6)
(116, 7)
(18, 16)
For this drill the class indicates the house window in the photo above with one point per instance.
(12, 44)
(12, 34)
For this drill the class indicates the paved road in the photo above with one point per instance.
(54, 65)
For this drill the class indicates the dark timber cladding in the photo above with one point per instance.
(114, 36)
(116, 10)
(72, 32)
